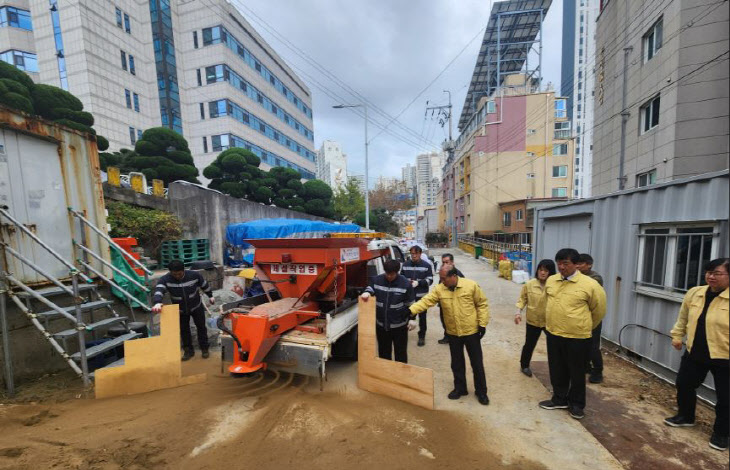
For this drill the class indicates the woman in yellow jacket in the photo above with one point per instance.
(704, 319)
(533, 297)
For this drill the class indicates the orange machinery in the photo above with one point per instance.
(311, 275)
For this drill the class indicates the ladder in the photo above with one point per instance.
(77, 303)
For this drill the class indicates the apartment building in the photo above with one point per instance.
(332, 164)
(197, 67)
(668, 62)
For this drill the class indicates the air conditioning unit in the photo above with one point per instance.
(530, 154)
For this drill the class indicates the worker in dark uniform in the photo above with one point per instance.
(184, 287)
(594, 367)
(393, 295)
(420, 273)
(446, 258)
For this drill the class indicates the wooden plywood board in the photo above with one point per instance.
(149, 363)
(404, 382)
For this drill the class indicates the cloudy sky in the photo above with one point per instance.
(385, 52)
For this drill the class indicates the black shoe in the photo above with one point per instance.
(678, 421)
(526, 371)
(444, 340)
(484, 399)
(421, 341)
(718, 442)
(576, 412)
(550, 405)
(596, 378)
(456, 394)
(206, 354)
(187, 355)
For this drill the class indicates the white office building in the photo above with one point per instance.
(332, 164)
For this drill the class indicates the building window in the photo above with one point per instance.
(199, 75)
(202, 111)
(205, 144)
(531, 176)
(645, 179)
(560, 149)
(650, 115)
(560, 108)
(560, 171)
(25, 61)
(491, 107)
(119, 17)
(124, 60)
(653, 40)
(15, 18)
(136, 102)
(506, 219)
(518, 214)
(139, 134)
(672, 257)
(127, 25)
(128, 98)
(560, 192)
(132, 135)
(132, 68)
(531, 131)
(195, 39)
(562, 130)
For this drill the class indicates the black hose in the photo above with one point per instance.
(221, 326)
(639, 326)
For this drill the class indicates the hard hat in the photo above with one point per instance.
(247, 273)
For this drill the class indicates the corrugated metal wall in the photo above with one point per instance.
(615, 224)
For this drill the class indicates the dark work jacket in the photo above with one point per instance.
(418, 271)
(392, 300)
(185, 293)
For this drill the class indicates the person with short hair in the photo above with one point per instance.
(446, 258)
(594, 366)
(393, 295)
(532, 297)
(184, 287)
(466, 315)
(703, 319)
(420, 273)
(575, 305)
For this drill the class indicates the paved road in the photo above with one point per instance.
(513, 424)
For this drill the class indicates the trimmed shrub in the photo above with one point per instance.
(48, 98)
(15, 74)
(16, 101)
(14, 87)
(102, 143)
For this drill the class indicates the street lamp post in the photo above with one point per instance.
(367, 187)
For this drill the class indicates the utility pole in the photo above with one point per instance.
(449, 147)
(625, 113)
(367, 187)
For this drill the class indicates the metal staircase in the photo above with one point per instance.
(76, 300)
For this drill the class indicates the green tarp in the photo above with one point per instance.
(121, 264)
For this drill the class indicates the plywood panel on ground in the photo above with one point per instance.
(404, 382)
(149, 363)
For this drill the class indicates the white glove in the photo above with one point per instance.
(365, 296)
(414, 283)
(412, 324)
(212, 300)
(157, 308)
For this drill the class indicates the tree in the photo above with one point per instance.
(389, 198)
(348, 201)
(380, 221)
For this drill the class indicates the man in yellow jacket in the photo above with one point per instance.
(576, 304)
(466, 315)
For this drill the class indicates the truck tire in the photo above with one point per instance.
(346, 346)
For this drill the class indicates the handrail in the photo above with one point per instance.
(40, 242)
(39, 297)
(115, 285)
(112, 267)
(109, 240)
(38, 269)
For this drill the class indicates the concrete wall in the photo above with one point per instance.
(138, 199)
(206, 213)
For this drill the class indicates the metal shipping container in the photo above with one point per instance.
(649, 245)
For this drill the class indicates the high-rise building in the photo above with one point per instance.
(576, 84)
(360, 180)
(667, 61)
(196, 67)
(332, 164)
(428, 173)
(410, 178)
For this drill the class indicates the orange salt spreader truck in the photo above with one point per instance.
(309, 311)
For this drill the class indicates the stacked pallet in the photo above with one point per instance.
(187, 251)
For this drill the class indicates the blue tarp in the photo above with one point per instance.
(275, 228)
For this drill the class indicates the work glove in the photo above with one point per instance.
(412, 324)
(365, 296)
(414, 283)
(212, 300)
(157, 308)
(482, 330)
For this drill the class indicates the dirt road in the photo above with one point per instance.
(273, 420)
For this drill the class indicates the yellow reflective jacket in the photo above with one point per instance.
(533, 297)
(717, 323)
(464, 309)
(574, 306)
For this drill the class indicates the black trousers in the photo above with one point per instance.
(198, 317)
(691, 375)
(567, 361)
(422, 325)
(392, 340)
(441, 316)
(458, 366)
(595, 360)
(532, 334)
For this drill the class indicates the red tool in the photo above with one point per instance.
(312, 276)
